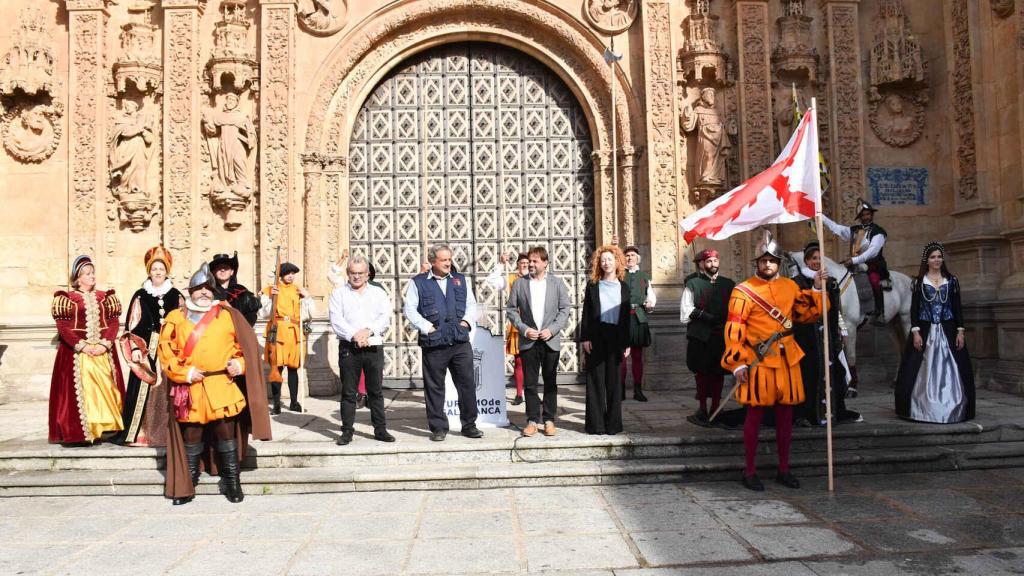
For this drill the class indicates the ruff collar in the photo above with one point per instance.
(193, 307)
(157, 292)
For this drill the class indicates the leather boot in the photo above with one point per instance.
(638, 393)
(275, 393)
(878, 318)
(229, 470)
(192, 454)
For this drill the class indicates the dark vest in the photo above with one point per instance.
(638, 282)
(443, 311)
(878, 262)
(713, 299)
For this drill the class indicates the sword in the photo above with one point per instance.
(762, 350)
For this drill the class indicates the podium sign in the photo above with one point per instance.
(489, 378)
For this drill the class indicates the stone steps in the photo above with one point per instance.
(517, 474)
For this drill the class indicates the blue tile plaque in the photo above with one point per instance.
(903, 186)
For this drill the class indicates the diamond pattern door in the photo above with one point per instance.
(484, 148)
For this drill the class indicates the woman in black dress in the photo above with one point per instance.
(145, 406)
(935, 382)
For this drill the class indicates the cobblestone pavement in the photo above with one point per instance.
(948, 523)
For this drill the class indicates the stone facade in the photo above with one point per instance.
(223, 125)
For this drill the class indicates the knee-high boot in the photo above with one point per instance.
(275, 393)
(230, 469)
(192, 455)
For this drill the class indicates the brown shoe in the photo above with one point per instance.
(531, 429)
(549, 428)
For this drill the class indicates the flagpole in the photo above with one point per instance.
(824, 311)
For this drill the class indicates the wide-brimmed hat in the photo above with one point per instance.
(863, 205)
(288, 268)
(229, 261)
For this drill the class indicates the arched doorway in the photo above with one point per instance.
(480, 146)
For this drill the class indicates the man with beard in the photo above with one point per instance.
(703, 309)
(227, 289)
(763, 356)
(867, 244)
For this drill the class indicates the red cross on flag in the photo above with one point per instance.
(788, 191)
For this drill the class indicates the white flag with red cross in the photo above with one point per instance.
(788, 191)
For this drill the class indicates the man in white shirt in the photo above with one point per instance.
(441, 305)
(867, 244)
(538, 307)
(360, 313)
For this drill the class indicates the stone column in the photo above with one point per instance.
(662, 139)
(86, 134)
(277, 141)
(754, 86)
(841, 25)
(601, 161)
(313, 265)
(628, 194)
(181, 143)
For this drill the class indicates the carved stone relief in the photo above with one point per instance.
(794, 58)
(755, 87)
(963, 102)
(703, 60)
(848, 167)
(181, 80)
(1002, 8)
(703, 121)
(898, 91)
(276, 151)
(131, 154)
(611, 16)
(322, 17)
(139, 63)
(30, 116)
(232, 65)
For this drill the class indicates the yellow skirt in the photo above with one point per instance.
(101, 400)
(770, 386)
(511, 340)
(202, 410)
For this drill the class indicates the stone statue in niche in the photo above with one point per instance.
(131, 150)
(231, 137)
(712, 144)
(611, 16)
(322, 16)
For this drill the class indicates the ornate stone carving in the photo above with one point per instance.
(611, 16)
(628, 193)
(844, 46)
(276, 152)
(963, 102)
(794, 58)
(703, 59)
(755, 87)
(139, 62)
(232, 65)
(30, 116)
(133, 175)
(1002, 8)
(231, 142)
(710, 131)
(322, 17)
(181, 82)
(898, 90)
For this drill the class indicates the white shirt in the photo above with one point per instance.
(411, 301)
(351, 310)
(686, 303)
(538, 293)
(866, 251)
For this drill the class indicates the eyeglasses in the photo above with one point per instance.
(358, 273)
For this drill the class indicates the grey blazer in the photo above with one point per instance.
(556, 310)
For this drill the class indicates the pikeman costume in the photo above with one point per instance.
(240, 297)
(759, 343)
(703, 310)
(145, 404)
(199, 345)
(85, 389)
(642, 300)
(292, 308)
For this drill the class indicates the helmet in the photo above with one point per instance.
(203, 278)
(769, 247)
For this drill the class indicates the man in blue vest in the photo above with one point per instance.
(441, 305)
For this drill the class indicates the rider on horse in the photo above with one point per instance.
(867, 241)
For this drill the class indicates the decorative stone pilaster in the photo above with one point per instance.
(962, 102)
(277, 170)
(754, 86)
(601, 162)
(86, 90)
(181, 128)
(845, 73)
(628, 194)
(662, 139)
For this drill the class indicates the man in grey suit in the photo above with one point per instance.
(538, 306)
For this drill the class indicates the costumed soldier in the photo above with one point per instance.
(203, 347)
(761, 352)
(294, 305)
(227, 289)
(703, 309)
(867, 243)
(641, 303)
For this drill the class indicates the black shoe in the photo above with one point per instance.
(230, 469)
(517, 400)
(787, 479)
(383, 436)
(346, 438)
(294, 407)
(183, 500)
(638, 395)
(802, 423)
(699, 418)
(851, 392)
(754, 483)
(276, 408)
(360, 401)
(438, 435)
(472, 432)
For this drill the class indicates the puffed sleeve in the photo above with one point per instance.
(64, 311)
(737, 352)
(111, 307)
(168, 350)
(807, 306)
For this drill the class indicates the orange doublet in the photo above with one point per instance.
(216, 396)
(289, 306)
(776, 379)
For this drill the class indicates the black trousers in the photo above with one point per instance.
(540, 359)
(436, 361)
(352, 361)
(604, 387)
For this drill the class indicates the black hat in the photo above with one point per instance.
(632, 249)
(229, 261)
(863, 205)
(288, 268)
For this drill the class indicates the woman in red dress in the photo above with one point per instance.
(86, 388)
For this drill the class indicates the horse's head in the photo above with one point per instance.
(792, 263)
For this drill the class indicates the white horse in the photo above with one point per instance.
(896, 303)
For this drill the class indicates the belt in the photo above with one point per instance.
(350, 346)
(288, 319)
